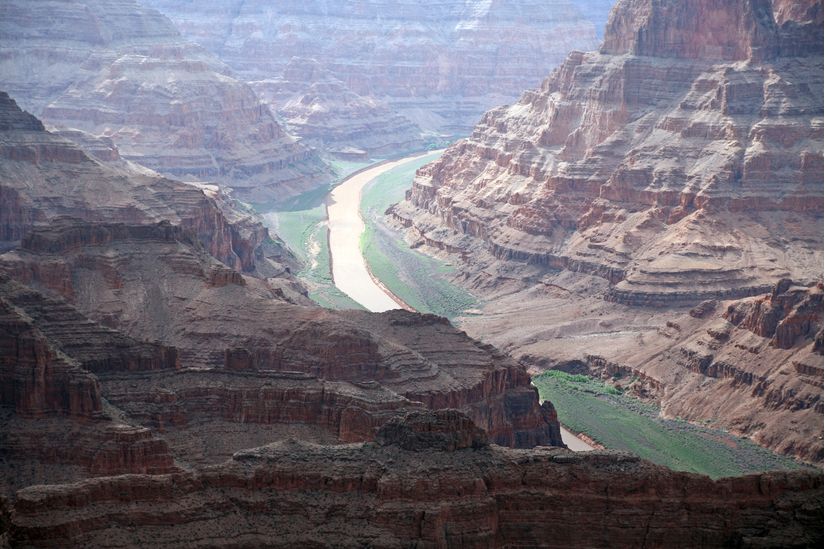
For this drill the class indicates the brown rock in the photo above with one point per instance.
(447, 430)
(677, 167)
(390, 495)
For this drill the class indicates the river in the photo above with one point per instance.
(349, 268)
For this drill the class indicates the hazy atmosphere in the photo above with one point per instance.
(454, 273)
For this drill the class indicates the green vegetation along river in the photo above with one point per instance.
(422, 282)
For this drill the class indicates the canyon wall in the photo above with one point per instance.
(45, 176)
(438, 64)
(320, 108)
(118, 70)
(681, 162)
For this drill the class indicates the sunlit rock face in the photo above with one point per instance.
(118, 70)
(681, 162)
(440, 64)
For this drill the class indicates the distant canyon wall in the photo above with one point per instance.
(118, 70)
(439, 64)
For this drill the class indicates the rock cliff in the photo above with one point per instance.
(333, 369)
(325, 113)
(118, 70)
(439, 64)
(432, 481)
(681, 162)
(44, 176)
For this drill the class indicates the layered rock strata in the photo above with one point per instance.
(144, 328)
(326, 114)
(54, 421)
(404, 359)
(681, 162)
(44, 176)
(440, 64)
(118, 70)
(432, 481)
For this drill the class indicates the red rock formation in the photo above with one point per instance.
(432, 481)
(36, 380)
(54, 425)
(680, 163)
(405, 359)
(633, 182)
(186, 350)
(787, 314)
(132, 345)
(115, 192)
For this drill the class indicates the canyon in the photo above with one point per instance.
(677, 169)
(650, 216)
(224, 353)
(382, 69)
(122, 72)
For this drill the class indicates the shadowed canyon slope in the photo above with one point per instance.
(682, 162)
(118, 70)
(439, 64)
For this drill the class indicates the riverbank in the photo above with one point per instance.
(622, 422)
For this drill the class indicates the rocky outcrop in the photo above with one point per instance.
(667, 191)
(319, 108)
(406, 360)
(54, 424)
(679, 164)
(444, 430)
(114, 190)
(431, 482)
(37, 380)
(439, 64)
(120, 71)
(786, 315)
(188, 357)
